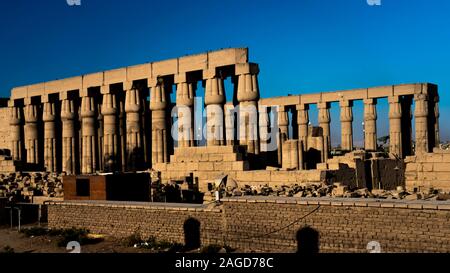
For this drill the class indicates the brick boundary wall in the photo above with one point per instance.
(266, 224)
(165, 221)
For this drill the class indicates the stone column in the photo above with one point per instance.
(324, 122)
(185, 103)
(88, 132)
(421, 114)
(122, 130)
(158, 105)
(49, 118)
(214, 100)
(110, 132)
(69, 135)
(32, 132)
(133, 110)
(395, 126)
(437, 137)
(346, 125)
(247, 96)
(303, 122)
(16, 122)
(100, 136)
(283, 122)
(370, 124)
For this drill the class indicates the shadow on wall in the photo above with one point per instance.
(191, 234)
(307, 241)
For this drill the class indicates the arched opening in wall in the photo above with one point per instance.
(382, 108)
(335, 126)
(358, 124)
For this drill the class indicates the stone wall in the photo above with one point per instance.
(121, 219)
(4, 128)
(428, 170)
(271, 224)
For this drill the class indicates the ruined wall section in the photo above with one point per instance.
(428, 170)
(4, 128)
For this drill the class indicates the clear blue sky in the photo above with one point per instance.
(302, 46)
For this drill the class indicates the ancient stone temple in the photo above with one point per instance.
(143, 117)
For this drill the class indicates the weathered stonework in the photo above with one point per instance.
(271, 224)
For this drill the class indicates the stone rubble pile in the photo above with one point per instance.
(22, 186)
(229, 188)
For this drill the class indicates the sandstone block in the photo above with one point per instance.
(222, 166)
(215, 157)
(441, 167)
(206, 166)
(279, 176)
(240, 166)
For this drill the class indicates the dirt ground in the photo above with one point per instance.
(13, 239)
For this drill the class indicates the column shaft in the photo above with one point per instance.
(214, 100)
(69, 153)
(324, 122)
(16, 122)
(185, 102)
(88, 131)
(247, 96)
(421, 114)
(303, 122)
(158, 106)
(110, 132)
(283, 123)
(437, 137)
(32, 133)
(49, 118)
(395, 127)
(133, 110)
(370, 125)
(346, 125)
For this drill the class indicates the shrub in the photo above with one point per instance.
(213, 248)
(34, 231)
(8, 249)
(74, 234)
(133, 239)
